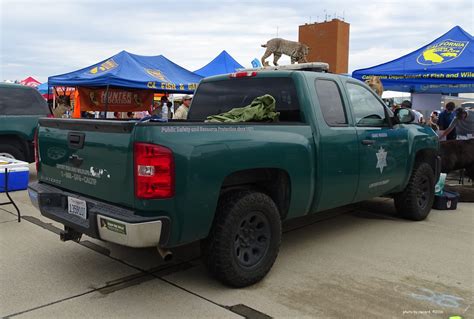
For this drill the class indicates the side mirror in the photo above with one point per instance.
(404, 116)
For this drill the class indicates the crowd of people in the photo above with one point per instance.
(450, 124)
(165, 109)
(462, 124)
(175, 111)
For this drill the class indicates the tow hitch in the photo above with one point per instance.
(70, 234)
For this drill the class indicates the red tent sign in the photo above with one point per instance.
(30, 81)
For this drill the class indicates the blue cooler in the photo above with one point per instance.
(446, 201)
(18, 174)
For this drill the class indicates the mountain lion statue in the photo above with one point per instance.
(375, 84)
(277, 46)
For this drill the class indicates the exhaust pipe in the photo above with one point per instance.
(165, 254)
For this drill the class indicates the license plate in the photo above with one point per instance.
(77, 207)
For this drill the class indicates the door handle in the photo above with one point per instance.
(75, 140)
(368, 142)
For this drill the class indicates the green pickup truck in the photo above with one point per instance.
(20, 108)
(156, 184)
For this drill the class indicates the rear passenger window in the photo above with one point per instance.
(221, 96)
(22, 101)
(330, 102)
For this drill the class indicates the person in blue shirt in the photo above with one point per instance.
(464, 124)
(445, 119)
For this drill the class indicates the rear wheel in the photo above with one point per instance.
(244, 240)
(416, 200)
(12, 150)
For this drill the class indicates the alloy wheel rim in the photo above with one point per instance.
(252, 239)
(7, 155)
(423, 192)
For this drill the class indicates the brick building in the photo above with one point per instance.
(328, 42)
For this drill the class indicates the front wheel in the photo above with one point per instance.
(244, 240)
(417, 198)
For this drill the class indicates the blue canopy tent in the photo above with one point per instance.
(132, 71)
(45, 91)
(445, 65)
(43, 88)
(222, 64)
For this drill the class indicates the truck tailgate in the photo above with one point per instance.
(89, 157)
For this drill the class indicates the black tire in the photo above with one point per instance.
(244, 240)
(416, 200)
(12, 150)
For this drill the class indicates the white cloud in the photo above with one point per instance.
(45, 37)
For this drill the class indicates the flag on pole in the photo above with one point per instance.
(256, 63)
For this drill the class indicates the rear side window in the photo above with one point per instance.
(221, 96)
(330, 102)
(21, 101)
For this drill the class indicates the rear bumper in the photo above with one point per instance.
(104, 221)
(145, 234)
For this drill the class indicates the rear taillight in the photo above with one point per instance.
(154, 171)
(243, 74)
(36, 149)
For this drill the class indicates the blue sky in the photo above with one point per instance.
(43, 38)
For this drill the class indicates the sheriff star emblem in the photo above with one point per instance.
(381, 159)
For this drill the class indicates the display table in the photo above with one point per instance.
(14, 175)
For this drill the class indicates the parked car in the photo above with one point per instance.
(230, 185)
(20, 108)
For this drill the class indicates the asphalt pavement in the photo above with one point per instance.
(360, 261)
